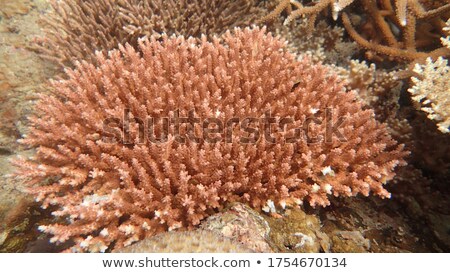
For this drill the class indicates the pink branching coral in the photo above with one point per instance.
(113, 192)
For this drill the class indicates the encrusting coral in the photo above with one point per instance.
(77, 28)
(114, 192)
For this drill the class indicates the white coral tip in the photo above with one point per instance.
(315, 188)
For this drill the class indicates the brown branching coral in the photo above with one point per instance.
(188, 18)
(296, 9)
(115, 187)
(401, 29)
(77, 28)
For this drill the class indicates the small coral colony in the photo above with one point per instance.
(165, 111)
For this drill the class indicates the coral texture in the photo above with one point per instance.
(378, 88)
(321, 43)
(188, 18)
(115, 192)
(77, 28)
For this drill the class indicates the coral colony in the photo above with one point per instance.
(167, 112)
(116, 191)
